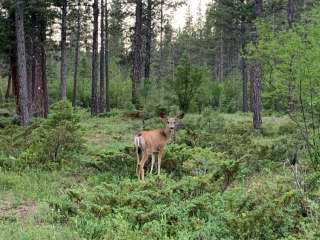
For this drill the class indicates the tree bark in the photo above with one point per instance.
(256, 76)
(63, 66)
(221, 61)
(243, 64)
(44, 80)
(137, 55)
(290, 13)
(22, 65)
(95, 62)
(161, 40)
(76, 58)
(102, 103)
(256, 95)
(9, 83)
(148, 40)
(107, 57)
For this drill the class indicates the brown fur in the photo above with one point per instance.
(149, 142)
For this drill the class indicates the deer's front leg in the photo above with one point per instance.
(159, 161)
(152, 162)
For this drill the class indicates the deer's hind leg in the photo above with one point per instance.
(145, 156)
(138, 162)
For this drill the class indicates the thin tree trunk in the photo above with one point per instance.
(221, 69)
(256, 96)
(22, 65)
(148, 40)
(290, 77)
(102, 105)
(137, 55)
(63, 66)
(243, 64)
(76, 58)
(8, 91)
(45, 97)
(161, 40)
(290, 13)
(107, 56)
(256, 77)
(95, 62)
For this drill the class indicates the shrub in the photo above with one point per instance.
(230, 100)
(187, 81)
(56, 137)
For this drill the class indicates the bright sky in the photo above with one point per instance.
(179, 15)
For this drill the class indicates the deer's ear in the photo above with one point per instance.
(180, 115)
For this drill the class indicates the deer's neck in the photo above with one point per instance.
(167, 133)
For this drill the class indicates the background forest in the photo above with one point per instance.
(79, 78)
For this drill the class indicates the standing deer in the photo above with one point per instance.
(150, 142)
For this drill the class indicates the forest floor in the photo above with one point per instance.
(201, 192)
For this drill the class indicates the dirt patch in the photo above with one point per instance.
(27, 209)
(22, 211)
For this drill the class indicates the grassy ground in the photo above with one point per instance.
(25, 212)
(97, 195)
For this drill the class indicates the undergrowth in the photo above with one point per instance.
(219, 180)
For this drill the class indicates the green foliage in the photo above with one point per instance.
(290, 60)
(54, 139)
(220, 180)
(208, 95)
(57, 136)
(186, 83)
(230, 99)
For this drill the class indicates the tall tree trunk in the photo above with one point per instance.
(95, 62)
(107, 56)
(256, 76)
(256, 95)
(63, 66)
(9, 83)
(290, 77)
(243, 63)
(148, 40)
(44, 80)
(37, 77)
(161, 40)
(22, 65)
(137, 54)
(76, 57)
(290, 12)
(221, 61)
(102, 105)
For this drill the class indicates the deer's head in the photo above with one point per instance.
(171, 122)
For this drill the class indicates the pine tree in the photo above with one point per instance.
(102, 102)
(107, 57)
(63, 66)
(76, 58)
(116, 29)
(137, 55)
(22, 97)
(256, 77)
(94, 87)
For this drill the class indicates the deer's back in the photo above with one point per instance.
(154, 140)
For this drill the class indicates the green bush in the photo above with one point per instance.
(186, 83)
(57, 137)
(230, 99)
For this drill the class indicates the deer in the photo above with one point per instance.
(154, 141)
